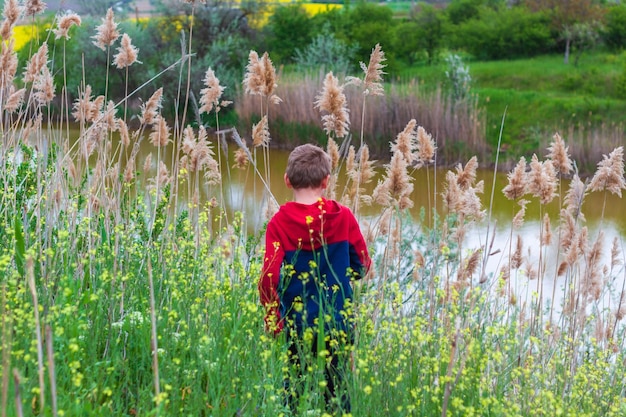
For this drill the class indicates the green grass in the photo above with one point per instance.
(540, 95)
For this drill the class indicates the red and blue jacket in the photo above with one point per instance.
(312, 252)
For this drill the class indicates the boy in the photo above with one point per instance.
(314, 249)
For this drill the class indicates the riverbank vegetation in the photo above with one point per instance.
(530, 69)
(123, 291)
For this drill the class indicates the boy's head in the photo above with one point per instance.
(307, 167)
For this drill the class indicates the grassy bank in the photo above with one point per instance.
(582, 101)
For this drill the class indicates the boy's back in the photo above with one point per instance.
(323, 249)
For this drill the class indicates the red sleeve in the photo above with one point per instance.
(270, 277)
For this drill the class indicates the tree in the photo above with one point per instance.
(288, 29)
(565, 14)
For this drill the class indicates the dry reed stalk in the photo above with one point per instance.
(6, 340)
(153, 339)
(33, 293)
(51, 369)
(18, 397)
(332, 100)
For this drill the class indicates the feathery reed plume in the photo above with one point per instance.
(610, 173)
(11, 13)
(518, 219)
(8, 63)
(426, 147)
(269, 78)
(466, 176)
(201, 155)
(542, 180)
(333, 152)
(460, 193)
(43, 87)
(36, 63)
(593, 281)
(451, 193)
(149, 110)
(241, 159)
(471, 265)
(15, 100)
(107, 32)
(65, 23)
(86, 110)
(568, 229)
(122, 128)
(406, 142)
(147, 163)
(260, 78)
(620, 313)
(373, 73)
(333, 101)
(34, 7)
(160, 134)
(162, 177)
(396, 188)
(126, 53)
(189, 140)
(574, 197)
(108, 116)
(210, 96)
(546, 238)
(351, 160)
(560, 156)
(253, 80)
(261, 133)
(129, 171)
(516, 187)
(615, 252)
(516, 259)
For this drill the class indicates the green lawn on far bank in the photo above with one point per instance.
(542, 95)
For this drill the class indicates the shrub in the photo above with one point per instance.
(504, 34)
(614, 33)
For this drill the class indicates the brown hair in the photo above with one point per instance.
(307, 166)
